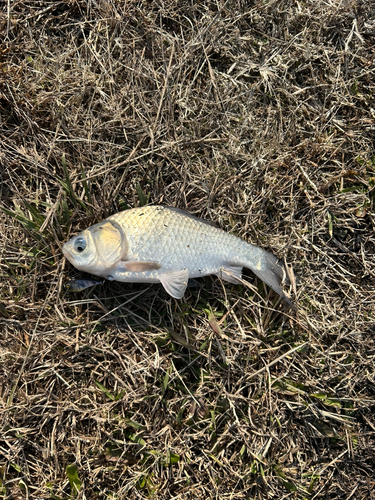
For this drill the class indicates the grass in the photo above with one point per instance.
(257, 116)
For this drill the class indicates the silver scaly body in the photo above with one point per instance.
(158, 244)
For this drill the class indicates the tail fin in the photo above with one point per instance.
(272, 273)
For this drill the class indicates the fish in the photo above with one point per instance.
(80, 285)
(157, 244)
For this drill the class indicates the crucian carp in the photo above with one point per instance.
(156, 244)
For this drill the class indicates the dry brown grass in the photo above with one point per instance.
(256, 115)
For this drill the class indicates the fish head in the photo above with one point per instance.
(97, 249)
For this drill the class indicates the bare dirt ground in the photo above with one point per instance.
(256, 115)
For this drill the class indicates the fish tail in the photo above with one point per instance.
(270, 270)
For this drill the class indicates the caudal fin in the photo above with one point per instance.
(272, 272)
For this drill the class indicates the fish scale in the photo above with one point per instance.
(175, 240)
(160, 244)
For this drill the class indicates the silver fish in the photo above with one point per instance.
(158, 244)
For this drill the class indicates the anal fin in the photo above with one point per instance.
(233, 274)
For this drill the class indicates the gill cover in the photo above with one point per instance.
(110, 244)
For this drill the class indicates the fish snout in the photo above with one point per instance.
(65, 251)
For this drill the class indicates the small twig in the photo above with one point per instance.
(252, 375)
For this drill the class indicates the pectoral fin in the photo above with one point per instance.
(139, 266)
(233, 274)
(175, 283)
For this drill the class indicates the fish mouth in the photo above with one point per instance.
(66, 253)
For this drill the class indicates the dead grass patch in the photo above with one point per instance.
(256, 115)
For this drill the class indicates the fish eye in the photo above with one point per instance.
(80, 244)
